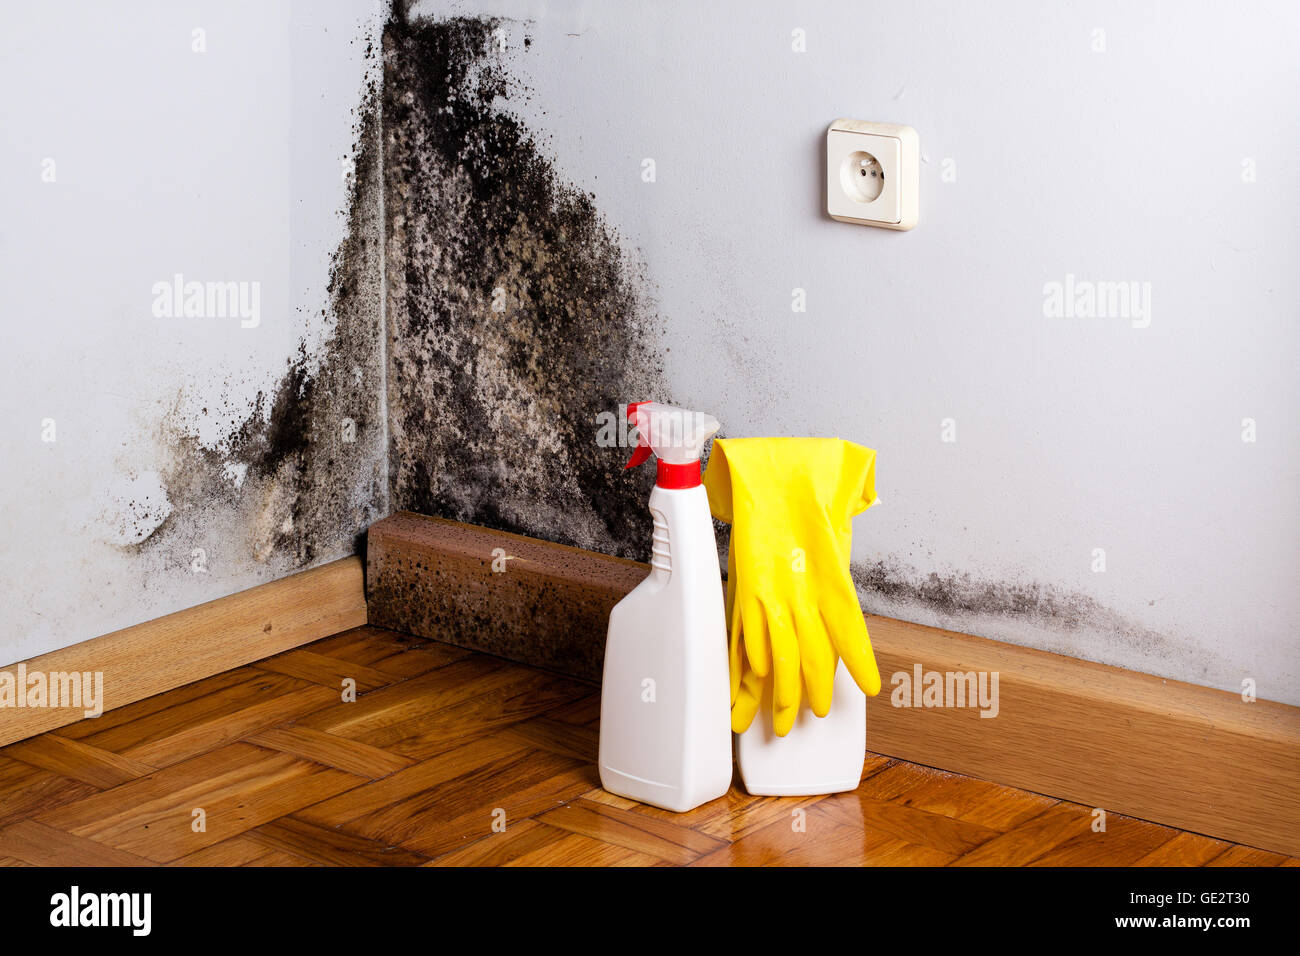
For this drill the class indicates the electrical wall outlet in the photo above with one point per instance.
(872, 173)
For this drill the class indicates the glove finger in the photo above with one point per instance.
(735, 650)
(817, 658)
(754, 630)
(731, 579)
(848, 632)
(747, 701)
(857, 478)
(785, 668)
(735, 660)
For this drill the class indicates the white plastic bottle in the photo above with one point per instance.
(665, 734)
(818, 755)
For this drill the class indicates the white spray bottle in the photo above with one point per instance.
(665, 724)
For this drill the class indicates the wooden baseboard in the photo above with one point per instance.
(1178, 754)
(180, 648)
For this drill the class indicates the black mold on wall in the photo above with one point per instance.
(301, 473)
(963, 594)
(965, 602)
(515, 317)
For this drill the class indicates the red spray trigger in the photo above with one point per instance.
(643, 449)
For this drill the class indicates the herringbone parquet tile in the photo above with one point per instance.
(448, 758)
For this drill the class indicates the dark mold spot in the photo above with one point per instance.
(1040, 615)
(302, 468)
(960, 593)
(514, 319)
(515, 316)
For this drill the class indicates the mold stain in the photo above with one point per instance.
(300, 473)
(515, 317)
(1026, 612)
(960, 593)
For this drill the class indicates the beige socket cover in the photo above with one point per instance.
(856, 153)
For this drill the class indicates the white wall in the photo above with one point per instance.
(220, 165)
(1072, 434)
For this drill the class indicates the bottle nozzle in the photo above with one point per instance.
(643, 449)
(676, 436)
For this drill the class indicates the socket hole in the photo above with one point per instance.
(862, 177)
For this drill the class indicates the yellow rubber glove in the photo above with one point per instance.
(792, 608)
